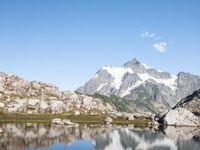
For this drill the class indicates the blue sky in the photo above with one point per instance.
(66, 41)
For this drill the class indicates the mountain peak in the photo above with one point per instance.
(134, 61)
(136, 81)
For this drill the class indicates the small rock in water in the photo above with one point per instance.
(108, 120)
(76, 113)
(1, 130)
(67, 122)
(131, 118)
(57, 121)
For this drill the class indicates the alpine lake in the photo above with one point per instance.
(46, 136)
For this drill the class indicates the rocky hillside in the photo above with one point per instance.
(20, 95)
(185, 113)
(137, 83)
(139, 106)
(191, 103)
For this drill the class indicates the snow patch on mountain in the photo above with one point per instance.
(96, 76)
(146, 66)
(127, 92)
(171, 82)
(117, 73)
(101, 86)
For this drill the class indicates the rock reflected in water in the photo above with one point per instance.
(46, 136)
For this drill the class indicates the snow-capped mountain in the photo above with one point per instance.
(139, 83)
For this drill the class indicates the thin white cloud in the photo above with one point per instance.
(160, 47)
(147, 35)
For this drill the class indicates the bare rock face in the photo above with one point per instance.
(181, 117)
(69, 95)
(57, 106)
(191, 103)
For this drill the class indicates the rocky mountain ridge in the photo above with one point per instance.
(137, 83)
(20, 95)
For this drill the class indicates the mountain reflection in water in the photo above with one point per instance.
(96, 137)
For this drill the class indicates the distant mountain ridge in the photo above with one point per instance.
(136, 82)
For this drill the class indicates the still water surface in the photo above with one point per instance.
(98, 137)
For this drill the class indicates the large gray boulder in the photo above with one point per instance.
(181, 117)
